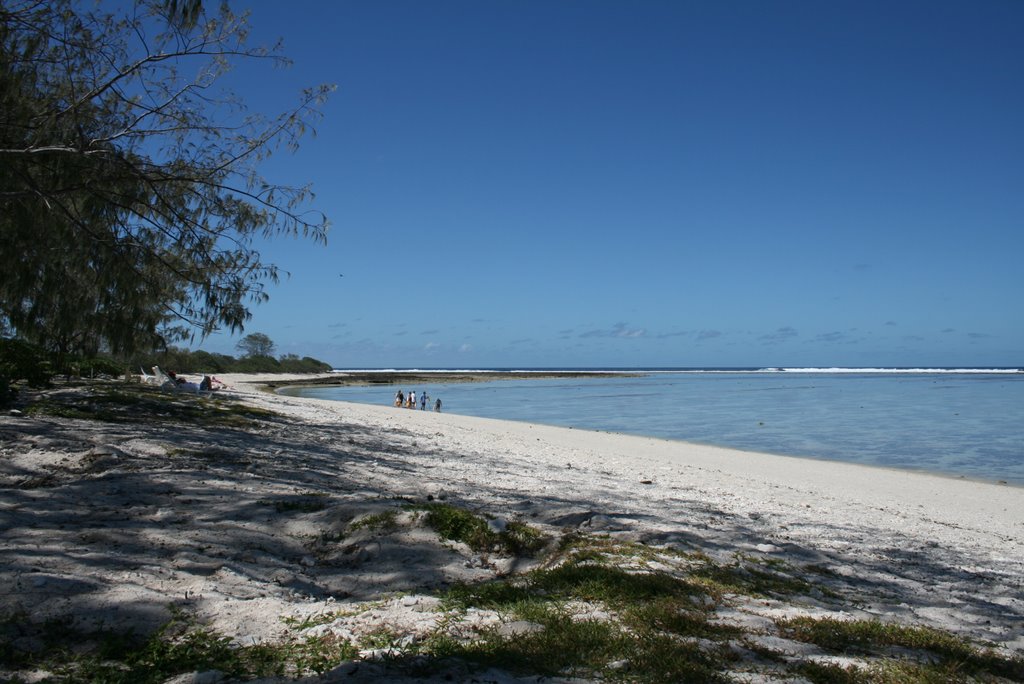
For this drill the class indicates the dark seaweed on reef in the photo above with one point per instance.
(414, 377)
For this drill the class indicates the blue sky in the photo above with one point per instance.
(591, 183)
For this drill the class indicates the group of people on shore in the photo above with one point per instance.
(409, 400)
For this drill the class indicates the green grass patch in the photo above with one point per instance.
(564, 645)
(522, 540)
(458, 524)
(679, 617)
(380, 638)
(301, 624)
(746, 578)
(887, 672)
(605, 548)
(953, 656)
(577, 580)
(654, 626)
(385, 521)
(177, 648)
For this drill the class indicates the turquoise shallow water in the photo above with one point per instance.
(969, 424)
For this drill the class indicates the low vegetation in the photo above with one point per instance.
(181, 646)
(595, 608)
(924, 654)
(187, 361)
(457, 524)
(588, 617)
(384, 521)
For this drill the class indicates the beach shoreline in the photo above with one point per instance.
(139, 516)
(401, 379)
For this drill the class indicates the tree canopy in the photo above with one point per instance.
(255, 344)
(130, 191)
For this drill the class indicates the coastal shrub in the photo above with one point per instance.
(206, 362)
(291, 363)
(199, 361)
(21, 362)
(257, 364)
(102, 366)
(91, 367)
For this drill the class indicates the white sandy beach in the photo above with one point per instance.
(109, 523)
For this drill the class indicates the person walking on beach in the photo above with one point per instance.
(423, 401)
(412, 399)
(437, 406)
(399, 399)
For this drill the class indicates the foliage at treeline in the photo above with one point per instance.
(131, 197)
(22, 363)
(188, 361)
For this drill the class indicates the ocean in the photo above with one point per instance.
(961, 423)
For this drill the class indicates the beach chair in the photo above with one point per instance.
(163, 380)
(167, 382)
(147, 379)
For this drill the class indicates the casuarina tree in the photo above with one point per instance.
(130, 186)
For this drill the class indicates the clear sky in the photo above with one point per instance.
(592, 183)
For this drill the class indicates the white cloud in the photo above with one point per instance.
(617, 330)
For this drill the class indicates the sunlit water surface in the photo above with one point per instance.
(968, 425)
